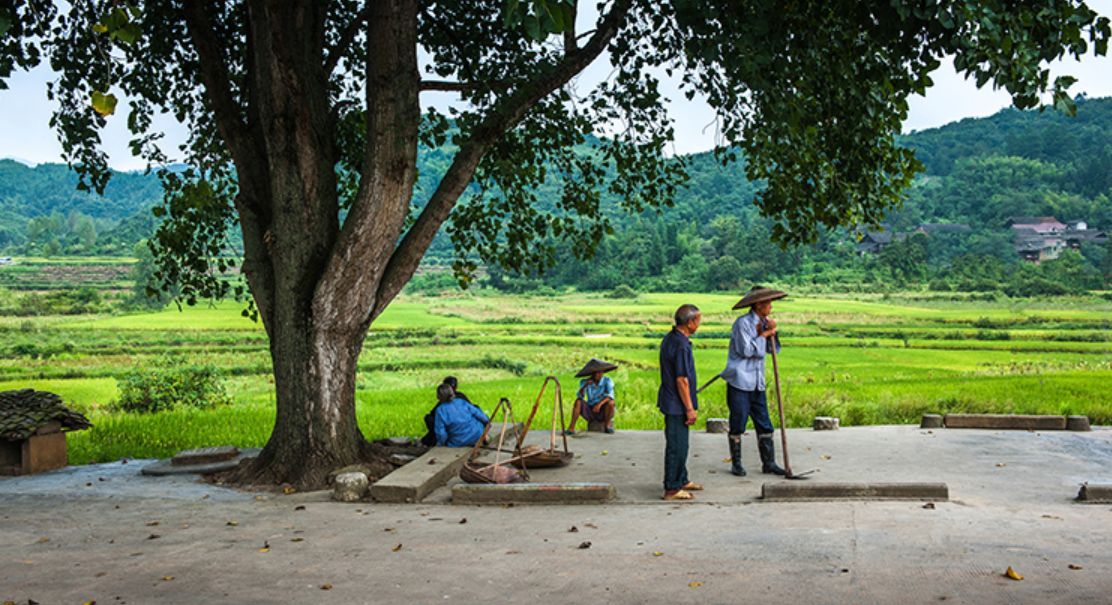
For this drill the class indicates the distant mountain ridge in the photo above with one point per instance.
(978, 170)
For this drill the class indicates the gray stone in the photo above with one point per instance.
(718, 425)
(398, 441)
(1022, 422)
(167, 467)
(205, 455)
(532, 493)
(349, 487)
(931, 421)
(826, 423)
(790, 490)
(1077, 423)
(401, 459)
(596, 426)
(1093, 493)
(351, 468)
(412, 482)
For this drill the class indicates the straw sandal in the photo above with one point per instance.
(679, 495)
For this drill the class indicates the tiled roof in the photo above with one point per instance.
(24, 412)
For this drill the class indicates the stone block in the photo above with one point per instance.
(1019, 422)
(349, 487)
(205, 455)
(532, 493)
(718, 425)
(826, 423)
(792, 490)
(414, 481)
(1093, 493)
(1077, 423)
(931, 421)
(596, 426)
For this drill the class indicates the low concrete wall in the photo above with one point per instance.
(1005, 421)
(791, 490)
(533, 493)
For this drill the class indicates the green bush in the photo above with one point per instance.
(171, 384)
(622, 291)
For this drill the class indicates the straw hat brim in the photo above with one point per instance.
(596, 365)
(761, 295)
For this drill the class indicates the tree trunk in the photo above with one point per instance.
(315, 430)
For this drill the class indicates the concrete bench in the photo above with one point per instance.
(414, 481)
(790, 490)
(1005, 421)
(532, 493)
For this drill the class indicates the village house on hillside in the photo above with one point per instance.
(872, 242)
(1039, 238)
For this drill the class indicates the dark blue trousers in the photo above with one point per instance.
(745, 405)
(675, 452)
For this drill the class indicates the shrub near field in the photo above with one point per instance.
(868, 360)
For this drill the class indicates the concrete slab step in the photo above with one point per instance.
(1021, 422)
(414, 481)
(533, 493)
(168, 467)
(1095, 493)
(793, 490)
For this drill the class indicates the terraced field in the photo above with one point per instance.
(865, 359)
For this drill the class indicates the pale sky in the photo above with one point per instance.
(25, 111)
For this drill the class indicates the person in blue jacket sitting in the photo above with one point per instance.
(458, 422)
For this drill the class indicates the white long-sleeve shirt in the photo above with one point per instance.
(745, 365)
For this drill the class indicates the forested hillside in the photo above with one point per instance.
(978, 172)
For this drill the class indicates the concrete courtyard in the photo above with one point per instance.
(105, 533)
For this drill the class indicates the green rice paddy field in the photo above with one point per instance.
(865, 359)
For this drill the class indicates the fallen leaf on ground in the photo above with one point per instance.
(586, 544)
(1000, 464)
(513, 552)
(658, 553)
(232, 523)
(591, 525)
(1012, 574)
(264, 550)
(154, 537)
(727, 460)
(152, 523)
(396, 548)
(463, 520)
(388, 529)
(299, 539)
(299, 507)
(694, 584)
(288, 489)
(43, 540)
(93, 602)
(573, 529)
(605, 452)
(825, 456)
(326, 587)
(1052, 517)
(167, 578)
(266, 546)
(929, 506)
(260, 498)
(1075, 566)
(432, 460)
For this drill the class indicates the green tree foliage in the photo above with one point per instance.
(305, 121)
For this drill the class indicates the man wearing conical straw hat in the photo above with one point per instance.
(595, 398)
(752, 336)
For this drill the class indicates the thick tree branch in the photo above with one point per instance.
(405, 259)
(571, 44)
(346, 38)
(443, 85)
(217, 81)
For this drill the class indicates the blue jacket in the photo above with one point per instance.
(458, 423)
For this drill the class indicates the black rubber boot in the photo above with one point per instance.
(735, 456)
(768, 455)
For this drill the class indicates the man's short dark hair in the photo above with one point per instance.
(445, 392)
(451, 381)
(685, 314)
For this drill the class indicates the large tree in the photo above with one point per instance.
(305, 120)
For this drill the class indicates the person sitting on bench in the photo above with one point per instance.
(595, 399)
(429, 439)
(458, 422)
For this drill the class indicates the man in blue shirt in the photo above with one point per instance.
(678, 401)
(595, 398)
(753, 335)
(459, 423)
